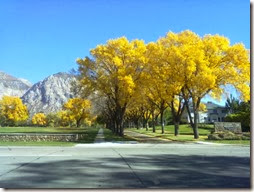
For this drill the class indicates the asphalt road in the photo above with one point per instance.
(106, 165)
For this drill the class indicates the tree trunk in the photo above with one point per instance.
(113, 126)
(195, 126)
(78, 122)
(119, 127)
(162, 122)
(120, 124)
(147, 125)
(143, 122)
(189, 114)
(136, 122)
(121, 120)
(175, 118)
(121, 133)
(116, 127)
(153, 122)
(157, 119)
(176, 128)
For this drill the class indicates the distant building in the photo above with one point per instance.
(213, 113)
(216, 113)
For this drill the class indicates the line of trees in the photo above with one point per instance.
(75, 112)
(176, 70)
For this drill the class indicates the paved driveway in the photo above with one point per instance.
(107, 165)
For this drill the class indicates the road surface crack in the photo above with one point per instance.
(133, 172)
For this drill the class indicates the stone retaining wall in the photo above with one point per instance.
(234, 127)
(39, 137)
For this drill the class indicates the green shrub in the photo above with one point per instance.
(247, 134)
(243, 117)
(184, 121)
(52, 120)
(214, 137)
(228, 136)
(245, 138)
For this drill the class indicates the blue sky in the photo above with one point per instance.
(42, 37)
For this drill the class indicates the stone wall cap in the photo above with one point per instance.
(66, 134)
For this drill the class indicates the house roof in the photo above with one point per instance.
(211, 105)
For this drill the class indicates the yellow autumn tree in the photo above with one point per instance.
(161, 85)
(176, 71)
(114, 74)
(140, 109)
(172, 49)
(78, 110)
(39, 119)
(157, 101)
(207, 65)
(12, 110)
(64, 118)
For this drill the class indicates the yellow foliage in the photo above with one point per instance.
(65, 118)
(202, 107)
(179, 65)
(88, 122)
(12, 109)
(118, 66)
(204, 65)
(39, 119)
(77, 109)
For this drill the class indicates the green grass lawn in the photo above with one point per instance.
(183, 130)
(110, 137)
(89, 132)
(186, 134)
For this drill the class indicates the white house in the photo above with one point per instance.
(216, 113)
(213, 113)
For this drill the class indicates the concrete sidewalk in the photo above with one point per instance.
(100, 137)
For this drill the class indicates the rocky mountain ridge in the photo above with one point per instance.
(49, 94)
(45, 96)
(12, 86)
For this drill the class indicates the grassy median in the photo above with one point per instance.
(186, 134)
(109, 136)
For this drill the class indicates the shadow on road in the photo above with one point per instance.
(139, 171)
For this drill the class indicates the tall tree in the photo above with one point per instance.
(232, 104)
(176, 71)
(163, 83)
(78, 109)
(39, 119)
(114, 74)
(12, 110)
(64, 119)
(208, 64)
